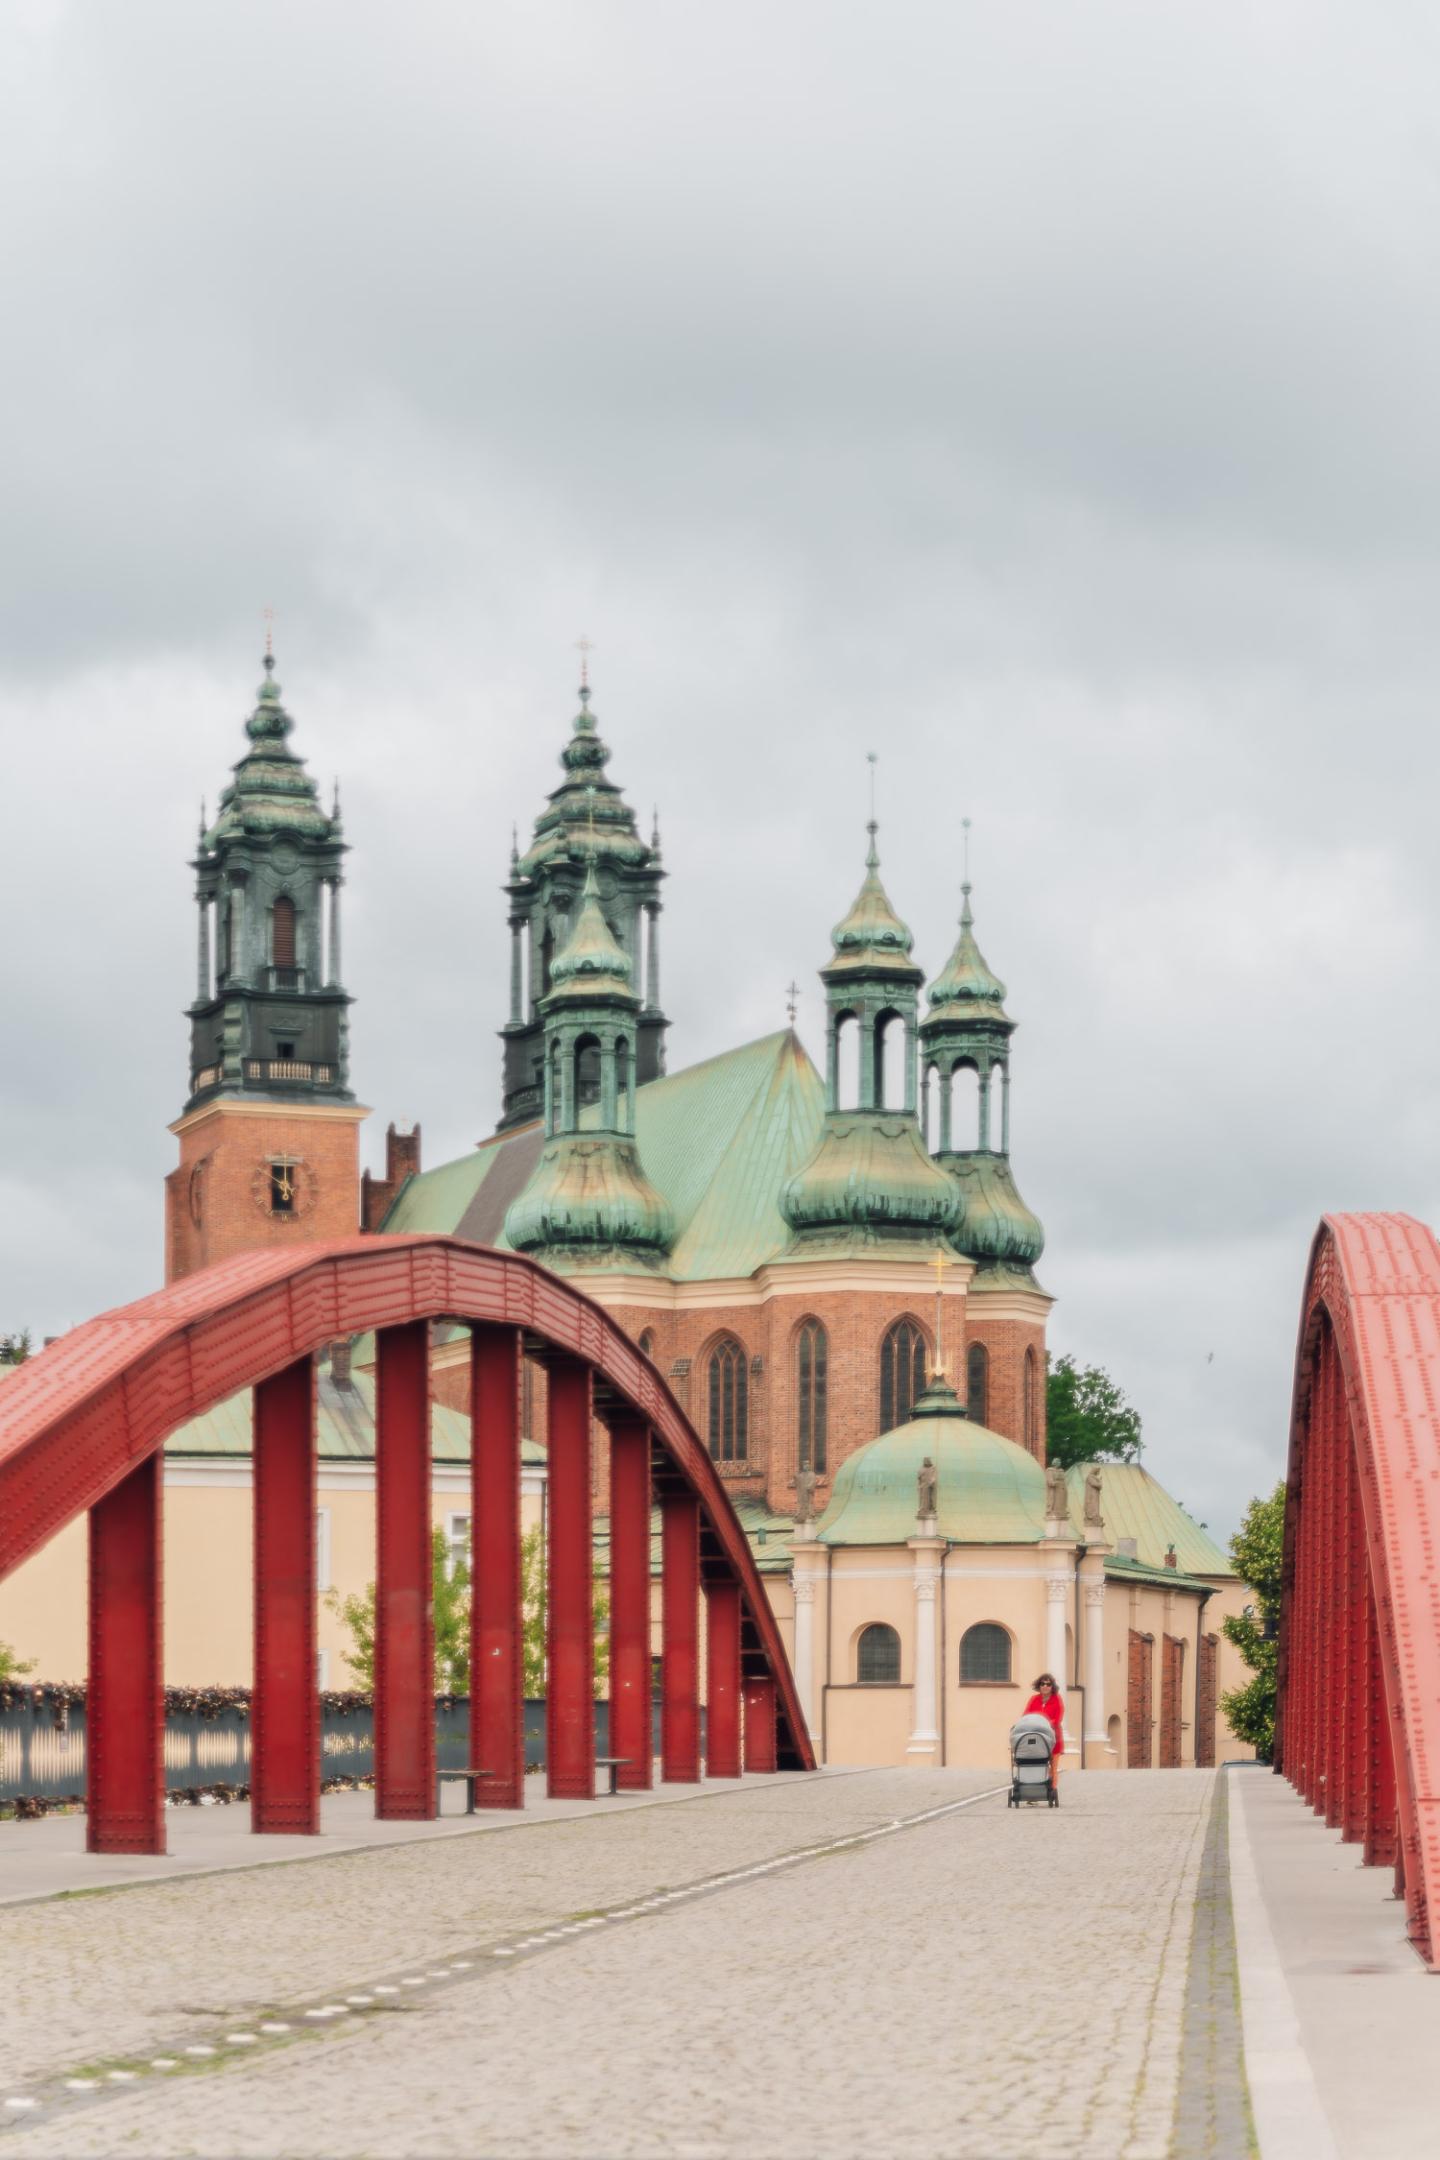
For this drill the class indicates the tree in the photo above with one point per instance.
(451, 1591)
(1087, 1418)
(14, 1349)
(1256, 1550)
(11, 1666)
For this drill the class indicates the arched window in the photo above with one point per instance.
(902, 1373)
(812, 1355)
(1032, 1406)
(977, 1384)
(892, 1046)
(729, 1402)
(647, 1343)
(622, 1084)
(846, 1053)
(587, 1071)
(282, 932)
(877, 1656)
(964, 1109)
(984, 1655)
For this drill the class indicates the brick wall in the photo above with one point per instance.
(402, 1161)
(1139, 1702)
(217, 1201)
(1006, 1343)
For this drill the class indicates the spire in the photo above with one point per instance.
(966, 979)
(871, 935)
(591, 962)
(335, 802)
(655, 832)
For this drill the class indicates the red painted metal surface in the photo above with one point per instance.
(570, 1598)
(497, 1709)
(722, 1677)
(680, 1639)
(125, 1718)
(285, 1711)
(760, 1724)
(83, 1417)
(404, 1586)
(630, 1690)
(1358, 1711)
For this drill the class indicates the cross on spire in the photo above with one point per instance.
(942, 1261)
(792, 992)
(584, 647)
(269, 615)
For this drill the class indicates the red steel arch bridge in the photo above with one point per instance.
(83, 1428)
(1358, 1710)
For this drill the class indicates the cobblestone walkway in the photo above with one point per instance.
(978, 1985)
(1212, 2115)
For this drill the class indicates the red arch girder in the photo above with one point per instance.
(1358, 1708)
(75, 1420)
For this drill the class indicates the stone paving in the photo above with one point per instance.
(979, 1985)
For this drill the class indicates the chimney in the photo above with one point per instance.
(402, 1161)
(1127, 1548)
(1170, 1557)
(340, 1363)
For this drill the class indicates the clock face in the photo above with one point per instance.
(283, 1189)
(285, 858)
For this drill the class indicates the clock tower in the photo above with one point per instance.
(269, 1136)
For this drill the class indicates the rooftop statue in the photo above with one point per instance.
(1094, 1520)
(926, 1486)
(1057, 1497)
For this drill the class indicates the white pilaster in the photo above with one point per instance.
(924, 1742)
(1095, 1726)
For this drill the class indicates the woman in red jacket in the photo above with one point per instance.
(1048, 1701)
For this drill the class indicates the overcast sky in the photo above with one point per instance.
(1041, 395)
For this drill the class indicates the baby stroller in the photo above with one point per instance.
(1032, 1761)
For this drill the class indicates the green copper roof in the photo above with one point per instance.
(871, 1180)
(989, 1491)
(591, 964)
(589, 1201)
(718, 1141)
(965, 981)
(586, 798)
(872, 935)
(1135, 1505)
(344, 1427)
(271, 791)
(996, 1228)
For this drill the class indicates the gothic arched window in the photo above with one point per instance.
(877, 1656)
(812, 1358)
(1031, 1402)
(282, 932)
(984, 1655)
(977, 1384)
(729, 1402)
(646, 1344)
(902, 1373)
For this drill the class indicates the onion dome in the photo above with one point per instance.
(869, 1181)
(586, 798)
(589, 1202)
(988, 1490)
(592, 963)
(271, 791)
(999, 1231)
(965, 981)
(871, 936)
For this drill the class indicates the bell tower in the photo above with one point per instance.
(587, 823)
(269, 1136)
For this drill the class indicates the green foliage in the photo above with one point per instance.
(1087, 1418)
(451, 1591)
(14, 1349)
(1256, 1550)
(11, 1666)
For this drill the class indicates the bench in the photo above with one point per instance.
(443, 1777)
(614, 1764)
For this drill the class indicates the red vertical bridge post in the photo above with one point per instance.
(630, 1686)
(570, 1605)
(125, 1701)
(404, 1583)
(722, 1676)
(680, 1647)
(497, 1709)
(760, 1724)
(285, 1708)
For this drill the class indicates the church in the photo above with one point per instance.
(833, 1271)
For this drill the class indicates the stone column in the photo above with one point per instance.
(652, 961)
(806, 1579)
(923, 1749)
(1056, 1590)
(908, 1027)
(947, 1086)
(1096, 1732)
(516, 940)
(202, 952)
(1005, 1110)
(985, 1109)
(334, 969)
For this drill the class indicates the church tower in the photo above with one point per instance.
(870, 1180)
(967, 1029)
(269, 1137)
(588, 1200)
(544, 892)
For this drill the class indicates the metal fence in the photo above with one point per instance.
(42, 1745)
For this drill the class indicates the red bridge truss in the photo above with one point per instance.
(83, 1426)
(1358, 1717)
